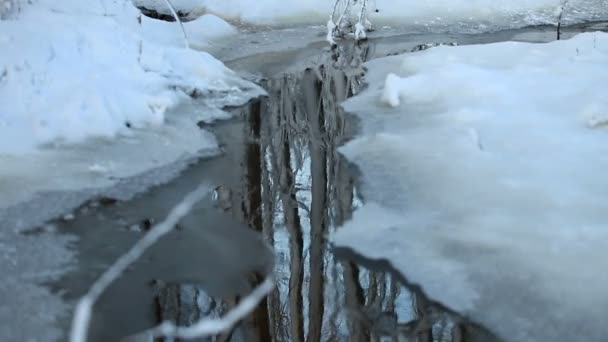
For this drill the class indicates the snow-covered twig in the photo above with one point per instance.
(333, 13)
(179, 21)
(337, 27)
(342, 20)
(82, 316)
(210, 326)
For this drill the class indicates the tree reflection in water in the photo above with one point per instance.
(297, 190)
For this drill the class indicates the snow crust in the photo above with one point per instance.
(99, 92)
(473, 14)
(483, 170)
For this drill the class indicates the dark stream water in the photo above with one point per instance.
(281, 191)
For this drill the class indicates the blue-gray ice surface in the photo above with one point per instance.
(484, 179)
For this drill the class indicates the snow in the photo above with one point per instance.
(472, 14)
(482, 169)
(92, 94)
(122, 76)
(87, 88)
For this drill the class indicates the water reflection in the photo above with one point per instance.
(310, 191)
(297, 190)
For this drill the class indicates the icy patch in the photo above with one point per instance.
(30, 311)
(482, 170)
(102, 162)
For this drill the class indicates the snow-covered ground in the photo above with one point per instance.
(484, 179)
(102, 75)
(467, 15)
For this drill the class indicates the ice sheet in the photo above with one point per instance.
(483, 178)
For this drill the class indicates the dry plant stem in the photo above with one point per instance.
(179, 21)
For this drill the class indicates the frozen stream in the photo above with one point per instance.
(280, 183)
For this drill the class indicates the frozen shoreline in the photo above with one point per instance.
(81, 109)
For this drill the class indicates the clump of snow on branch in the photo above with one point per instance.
(348, 16)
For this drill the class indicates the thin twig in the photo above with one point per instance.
(178, 20)
(344, 13)
(333, 13)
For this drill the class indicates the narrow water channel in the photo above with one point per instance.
(298, 191)
(281, 191)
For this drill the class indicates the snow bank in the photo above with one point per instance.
(472, 14)
(91, 93)
(69, 72)
(484, 177)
